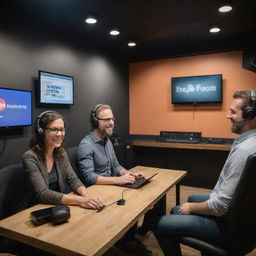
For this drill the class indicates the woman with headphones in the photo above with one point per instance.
(47, 166)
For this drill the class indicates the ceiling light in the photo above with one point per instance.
(131, 44)
(214, 29)
(225, 8)
(90, 20)
(114, 32)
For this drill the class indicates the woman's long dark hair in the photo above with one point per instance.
(37, 140)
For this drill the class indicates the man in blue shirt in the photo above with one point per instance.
(97, 160)
(98, 165)
(203, 216)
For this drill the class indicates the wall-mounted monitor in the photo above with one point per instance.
(55, 88)
(15, 107)
(197, 89)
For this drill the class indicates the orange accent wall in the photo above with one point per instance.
(151, 110)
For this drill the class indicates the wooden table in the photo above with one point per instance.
(88, 232)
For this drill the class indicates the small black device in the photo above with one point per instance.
(180, 137)
(139, 182)
(57, 215)
(121, 202)
(101, 208)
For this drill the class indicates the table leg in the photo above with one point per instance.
(177, 194)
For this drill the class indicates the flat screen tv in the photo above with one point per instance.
(15, 107)
(197, 89)
(55, 88)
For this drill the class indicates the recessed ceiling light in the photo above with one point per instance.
(225, 8)
(90, 20)
(114, 32)
(131, 44)
(215, 29)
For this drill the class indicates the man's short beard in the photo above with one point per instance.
(237, 128)
(105, 131)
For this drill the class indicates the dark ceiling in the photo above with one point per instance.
(161, 28)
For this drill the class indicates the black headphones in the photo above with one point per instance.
(250, 111)
(94, 118)
(38, 127)
(57, 215)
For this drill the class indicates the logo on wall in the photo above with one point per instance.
(2, 105)
(190, 88)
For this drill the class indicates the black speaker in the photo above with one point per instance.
(249, 59)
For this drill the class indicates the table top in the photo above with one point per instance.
(88, 232)
(202, 146)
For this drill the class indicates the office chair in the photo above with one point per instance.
(241, 219)
(72, 156)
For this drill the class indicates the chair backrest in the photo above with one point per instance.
(14, 192)
(242, 213)
(72, 155)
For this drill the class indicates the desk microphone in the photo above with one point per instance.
(122, 201)
(119, 202)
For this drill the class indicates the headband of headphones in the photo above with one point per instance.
(95, 109)
(40, 129)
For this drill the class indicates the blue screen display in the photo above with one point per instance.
(55, 88)
(15, 107)
(197, 89)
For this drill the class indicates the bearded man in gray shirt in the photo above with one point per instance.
(203, 216)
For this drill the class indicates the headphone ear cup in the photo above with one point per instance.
(40, 130)
(94, 119)
(249, 113)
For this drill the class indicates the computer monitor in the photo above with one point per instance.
(197, 89)
(55, 88)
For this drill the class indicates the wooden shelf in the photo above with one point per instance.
(202, 146)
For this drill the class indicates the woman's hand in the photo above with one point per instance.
(90, 201)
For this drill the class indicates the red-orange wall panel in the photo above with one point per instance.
(151, 110)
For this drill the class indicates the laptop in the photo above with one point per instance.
(139, 182)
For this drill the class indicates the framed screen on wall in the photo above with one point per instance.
(55, 88)
(196, 89)
(15, 107)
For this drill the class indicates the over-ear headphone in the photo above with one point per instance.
(57, 215)
(94, 118)
(38, 127)
(250, 111)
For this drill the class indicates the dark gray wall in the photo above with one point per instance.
(99, 78)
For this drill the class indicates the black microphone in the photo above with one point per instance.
(122, 201)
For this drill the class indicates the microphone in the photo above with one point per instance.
(122, 201)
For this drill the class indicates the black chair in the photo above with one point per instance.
(72, 155)
(15, 195)
(241, 219)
